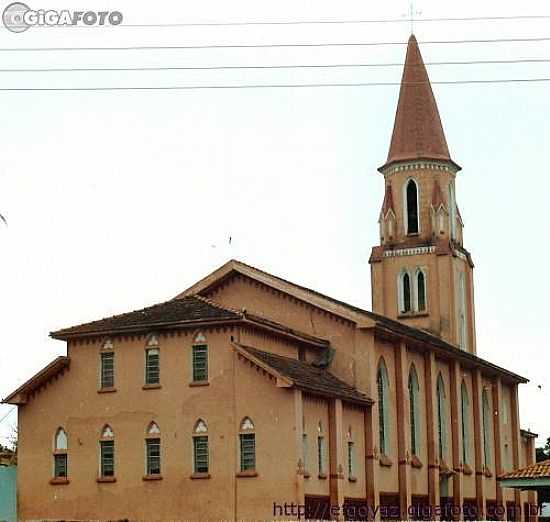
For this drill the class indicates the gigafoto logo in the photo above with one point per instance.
(18, 17)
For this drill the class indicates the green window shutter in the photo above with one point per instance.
(200, 454)
(60, 465)
(107, 370)
(107, 457)
(152, 447)
(200, 362)
(321, 454)
(248, 451)
(152, 366)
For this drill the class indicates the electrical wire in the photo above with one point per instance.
(7, 414)
(271, 45)
(261, 86)
(283, 66)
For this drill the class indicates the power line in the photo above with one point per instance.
(7, 414)
(261, 86)
(265, 46)
(281, 66)
(307, 22)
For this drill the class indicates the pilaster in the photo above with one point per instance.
(298, 443)
(431, 430)
(456, 433)
(403, 429)
(477, 389)
(336, 460)
(515, 438)
(497, 431)
(371, 460)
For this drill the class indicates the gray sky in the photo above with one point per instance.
(117, 200)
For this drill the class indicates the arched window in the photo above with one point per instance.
(60, 459)
(420, 291)
(247, 440)
(411, 200)
(452, 210)
(464, 417)
(505, 410)
(404, 294)
(462, 338)
(320, 449)
(107, 365)
(200, 447)
(200, 359)
(414, 423)
(441, 418)
(351, 454)
(383, 408)
(152, 450)
(152, 361)
(107, 452)
(486, 418)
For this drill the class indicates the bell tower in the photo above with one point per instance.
(420, 273)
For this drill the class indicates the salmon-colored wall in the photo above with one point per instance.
(315, 412)
(241, 292)
(354, 431)
(235, 390)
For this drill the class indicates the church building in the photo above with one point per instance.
(250, 397)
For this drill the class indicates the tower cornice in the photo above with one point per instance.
(419, 164)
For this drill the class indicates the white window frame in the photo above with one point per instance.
(414, 290)
(401, 291)
(413, 376)
(464, 422)
(406, 208)
(383, 371)
(452, 210)
(462, 328)
(441, 408)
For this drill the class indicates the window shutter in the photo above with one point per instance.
(107, 370)
(152, 366)
(200, 362)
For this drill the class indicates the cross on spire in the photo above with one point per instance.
(411, 14)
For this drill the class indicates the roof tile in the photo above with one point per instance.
(308, 377)
(536, 470)
(190, 308)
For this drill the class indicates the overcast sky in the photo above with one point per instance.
(117, 200)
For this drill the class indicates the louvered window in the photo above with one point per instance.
(248, 451)
(152, 366)
(200, 362)
(107, 449)
(200, 454)
(107, 370)
(60, 466)
(351, 459)
(152, 450)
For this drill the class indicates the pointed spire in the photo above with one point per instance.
(437, 196)
(387, 205)
(417, 131)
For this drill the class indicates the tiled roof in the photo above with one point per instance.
(437, 196)
(189, 309)
(402, 329)
(308, 377)
(417, 132)
(343, 309)
(528, 434)
(534, 471)
(387, 204)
